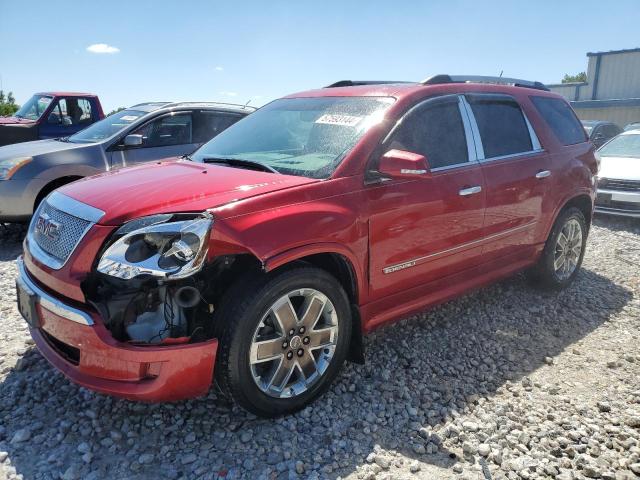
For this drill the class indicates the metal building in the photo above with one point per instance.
(612, 89)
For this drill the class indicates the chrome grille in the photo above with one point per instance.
(72, 229)
(57, 227)
(617, 184)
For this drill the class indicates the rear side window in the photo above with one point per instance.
(561, 119)
(207, 125)
(436, 131)
(502, 126)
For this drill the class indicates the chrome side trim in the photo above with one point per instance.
(474, 129)
(468, 132)
(415, 261)
(511, 155)
(50, 303)
(74, 207)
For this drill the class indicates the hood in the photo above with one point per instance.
(14, 120)
(171, 187)
(623, 168)
(35, 148)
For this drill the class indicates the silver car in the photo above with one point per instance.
(619, 176)
(149, 131)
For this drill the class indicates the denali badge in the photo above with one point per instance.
(48, 227)
(400, 266)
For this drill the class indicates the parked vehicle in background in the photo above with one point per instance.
(50, 115)
(632, 126)
(600, 132)
(316, 219)
(619, 177)
(145, 132)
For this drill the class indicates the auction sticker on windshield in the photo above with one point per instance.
(343, 120)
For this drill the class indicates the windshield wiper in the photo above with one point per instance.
(242, 163)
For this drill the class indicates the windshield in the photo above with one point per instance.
(622, 146)
(34, 107)
(106, 127)
(298, 136)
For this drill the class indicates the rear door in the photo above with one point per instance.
(516, 171)
(169, 135)
(427, 228)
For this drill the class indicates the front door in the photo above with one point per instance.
(428, 228)
(170, 135)
(65, 117)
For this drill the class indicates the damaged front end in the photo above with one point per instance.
(149, 285)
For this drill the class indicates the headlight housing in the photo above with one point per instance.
(12, 165)
(162, 246)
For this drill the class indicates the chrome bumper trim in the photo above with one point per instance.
(50, 303)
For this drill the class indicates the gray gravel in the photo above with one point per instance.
(507, 382)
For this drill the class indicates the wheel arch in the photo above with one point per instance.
(52, 185)
(338, 262)
(582, 202)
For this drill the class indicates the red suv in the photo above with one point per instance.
(316, 219)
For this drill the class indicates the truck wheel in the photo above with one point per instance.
(562, 255)
(282, 339)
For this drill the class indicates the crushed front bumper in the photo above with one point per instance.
(74, 340)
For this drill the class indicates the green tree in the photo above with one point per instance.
(116, 111)
(580, 77)
(7, 104)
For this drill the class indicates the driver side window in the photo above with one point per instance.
(434, 130)
(166, 131)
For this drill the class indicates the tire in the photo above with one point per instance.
(267, 370)
(546, 272)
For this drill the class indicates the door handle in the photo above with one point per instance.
(465, 192)
(543, 174)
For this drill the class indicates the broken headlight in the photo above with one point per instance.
(160, 246)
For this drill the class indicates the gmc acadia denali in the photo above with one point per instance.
(282, 241)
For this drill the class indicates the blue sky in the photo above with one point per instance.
(244, 50)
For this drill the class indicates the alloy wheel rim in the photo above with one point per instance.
(568, 249)
(294, 343)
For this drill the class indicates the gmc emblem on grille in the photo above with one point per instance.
(48, 227)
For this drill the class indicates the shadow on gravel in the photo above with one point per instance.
(420, 374)
(617, 224)
(11, 236)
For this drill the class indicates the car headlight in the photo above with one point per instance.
(12, 165)
(160, 246)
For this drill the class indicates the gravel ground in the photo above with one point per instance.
(507, 382)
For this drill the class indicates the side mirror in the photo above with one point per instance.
(133, 140)
(403, 164)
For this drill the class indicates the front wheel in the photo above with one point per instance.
(283, 338)
(563, 253)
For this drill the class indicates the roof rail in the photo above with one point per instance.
(516, 82)
(209, 104)
(355, 83)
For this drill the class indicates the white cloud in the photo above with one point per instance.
(228, 94)
(219, 68)
(102, 48)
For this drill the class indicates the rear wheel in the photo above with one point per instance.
(563, 253)
(283, 339)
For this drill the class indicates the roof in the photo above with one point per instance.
(612, 52)
(67, 94)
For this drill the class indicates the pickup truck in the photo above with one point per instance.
(50, 115)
